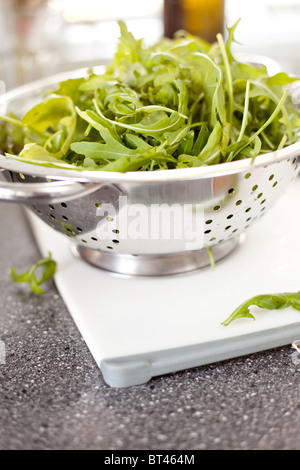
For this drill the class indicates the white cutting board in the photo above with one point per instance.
(140, 328)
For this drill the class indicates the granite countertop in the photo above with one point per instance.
(52, 395)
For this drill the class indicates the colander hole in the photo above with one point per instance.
(51, 207)
(229, 216)
(98, 204)
(69, 230)
(260, 195)
(212, 239)
(115, 231)
(248, 209)
(207, 232)
(247, 175)
(275, 184)
(84, 241)
(79, 229)
(217, 208)
(231, 191)
(294, 161)
(64, 217)
(255, 187)
(115, 241)
(63, 204)
(271, 177)
(238, 203)
(52, 216)
(262, 202)
(22, 176)
(39, 211)
(94, 239)
(248, 220)
(262, 209)
(235, 230)
(208, 222)
(109, 247)
(227, 228)
(109, 219)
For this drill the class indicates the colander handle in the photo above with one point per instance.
(55, 191)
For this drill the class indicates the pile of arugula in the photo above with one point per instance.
(180, 103)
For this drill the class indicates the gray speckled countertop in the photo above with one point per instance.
(52, 395)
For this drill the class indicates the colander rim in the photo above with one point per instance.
(172, 175)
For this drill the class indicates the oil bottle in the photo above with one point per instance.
(203, 18)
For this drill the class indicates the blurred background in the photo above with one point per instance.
(39, 38)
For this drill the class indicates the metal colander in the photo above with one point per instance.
(147, 223)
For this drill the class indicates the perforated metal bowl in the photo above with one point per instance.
(147, 223)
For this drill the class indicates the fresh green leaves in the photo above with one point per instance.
(54, 123)
(49, 267)
(179, 103)
(268, 302)
(211, 80)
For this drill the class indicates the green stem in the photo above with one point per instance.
(265, 125)
(211, 258)
(228, 74)
(282, 142)
(245, 118)
(12, 120)
(17, 122)
(128, 126)
(267, 140)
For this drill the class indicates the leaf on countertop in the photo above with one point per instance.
(268, 302)
(30, 276)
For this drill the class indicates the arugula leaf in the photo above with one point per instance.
(11, 134)
(211, 151)
(238, 146)
(111, 149)
(55, 118)
(231, 39)
(30, 276)
(268, 302)
(228, 74)
(211, 79)
(153, 124)
(71, 88)
(98, 123)
(201, 140)
(281, 79)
